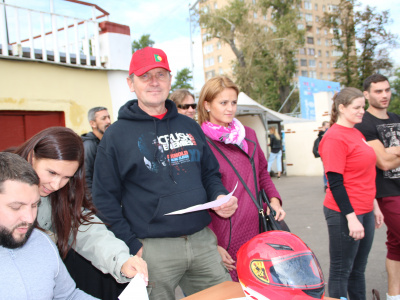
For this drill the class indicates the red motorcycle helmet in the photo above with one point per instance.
(279, 265)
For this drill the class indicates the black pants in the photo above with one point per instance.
(91, 280)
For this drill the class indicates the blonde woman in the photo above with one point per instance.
(276, 150)
(217, 109)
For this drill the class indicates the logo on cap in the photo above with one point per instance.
(157, 58)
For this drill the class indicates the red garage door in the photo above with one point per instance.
(18, 126)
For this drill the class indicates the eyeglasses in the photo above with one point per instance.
(159, 76)
(186, 106)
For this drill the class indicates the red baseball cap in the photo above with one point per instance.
(146, 59)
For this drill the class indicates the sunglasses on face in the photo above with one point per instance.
(186, 106)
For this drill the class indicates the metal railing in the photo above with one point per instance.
(50, 36)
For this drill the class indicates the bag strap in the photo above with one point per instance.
(259, 207)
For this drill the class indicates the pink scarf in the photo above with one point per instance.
(233, 134)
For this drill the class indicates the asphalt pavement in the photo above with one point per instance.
(303, 198)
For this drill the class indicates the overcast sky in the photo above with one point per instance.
(167, 22)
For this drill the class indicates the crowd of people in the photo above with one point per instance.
(104, 198)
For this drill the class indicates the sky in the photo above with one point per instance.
(167, 22)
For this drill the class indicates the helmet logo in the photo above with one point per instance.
(258, 269)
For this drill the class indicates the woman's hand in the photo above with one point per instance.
(378, 215)
(276, 205)
(356, 229)
(226, 259)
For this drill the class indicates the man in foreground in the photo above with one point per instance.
(154, 161)
(31, 267)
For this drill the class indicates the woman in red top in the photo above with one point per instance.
(349, 205)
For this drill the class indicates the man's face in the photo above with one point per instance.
(18, 211)
(379, 95)
(151, 88)
(102, 121)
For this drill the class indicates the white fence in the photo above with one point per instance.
(49, 36)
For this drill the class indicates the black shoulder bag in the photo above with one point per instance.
(267, 222)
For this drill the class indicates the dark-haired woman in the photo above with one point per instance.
(57, 155)
(349, 205)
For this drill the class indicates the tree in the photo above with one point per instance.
(143, 42)
(367, 29)
(395, 100)
(265, 51)
(182, 80)
(374, 41)
(342, 23)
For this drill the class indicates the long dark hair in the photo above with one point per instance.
(67, 203)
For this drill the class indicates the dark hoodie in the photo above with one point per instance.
(90, 143)
(139, 178)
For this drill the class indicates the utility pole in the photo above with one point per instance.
(191, 39)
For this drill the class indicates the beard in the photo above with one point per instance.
(8, 241)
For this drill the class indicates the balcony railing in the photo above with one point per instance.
(50, 36)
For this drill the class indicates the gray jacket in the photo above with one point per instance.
(94, 242)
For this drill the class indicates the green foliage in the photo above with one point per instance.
(265, 50)
(182, 80)
(143, 42)
(367, 28)
(395, 100)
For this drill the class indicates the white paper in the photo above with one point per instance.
(207, 205)
(136, 289)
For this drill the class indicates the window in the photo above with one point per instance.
(326, 42)
(304, 73)
(320, 64)
(302, 51)
(323, 8)
(300, 26)
(220, 59)
(313, 74)
(327, 53)
(215, 5)
(308, 17)
(328, 65)
(264, 17)
(310, 40)
(316, 19)
(210, 74)
(321, 75)
(254, 1)
(209, 62)
(336, 53)
(206, 37)
(311, 62)
(329, 76)
(208, 49)
(315, 6)
(319, 53)
(303, 62)
(311, 51)
(325, 31)
(318, 30)
(255, 15)
(219, 45)
(318, 41)
(220, 71)
(307, 5)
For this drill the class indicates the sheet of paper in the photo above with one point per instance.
(136, 289)
(207, 205)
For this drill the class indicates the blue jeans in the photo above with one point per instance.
(278, 157)
(348, 257)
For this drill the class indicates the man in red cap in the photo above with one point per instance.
(154, 161)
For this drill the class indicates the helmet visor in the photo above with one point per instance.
(300, 271)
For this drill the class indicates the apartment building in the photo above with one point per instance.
(316, 59)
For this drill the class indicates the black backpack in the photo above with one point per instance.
(315, 147)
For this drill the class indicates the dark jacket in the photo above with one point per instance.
(146, 168)
(90, 143)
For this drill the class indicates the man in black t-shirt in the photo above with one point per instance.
(382, 132)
